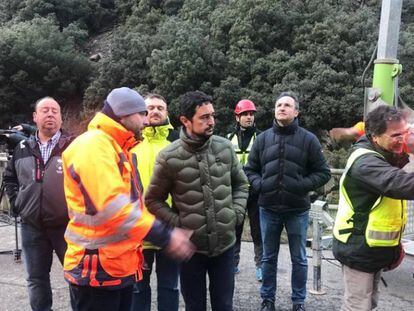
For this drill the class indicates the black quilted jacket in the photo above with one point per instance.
(285, 163)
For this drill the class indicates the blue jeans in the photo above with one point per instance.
(37, 246)
(296, 224)
(220, 271)
(167, 283)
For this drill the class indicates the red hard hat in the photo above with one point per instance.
(244, 105)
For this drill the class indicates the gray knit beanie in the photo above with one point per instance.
(125, 101)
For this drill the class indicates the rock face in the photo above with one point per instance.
(99, 46)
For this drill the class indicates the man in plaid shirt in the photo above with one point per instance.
(34, 184)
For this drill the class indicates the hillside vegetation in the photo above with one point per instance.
(230, 49)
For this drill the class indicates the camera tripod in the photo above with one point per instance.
(17, 251)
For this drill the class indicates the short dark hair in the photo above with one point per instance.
(377, 120)
(157, 96)
(291, 95)
(191, 100)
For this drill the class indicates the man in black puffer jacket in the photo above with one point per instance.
(285, 163)
(34, 184)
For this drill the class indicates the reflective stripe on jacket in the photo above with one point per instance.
(155, 139)
(107, 217)
(384, 223)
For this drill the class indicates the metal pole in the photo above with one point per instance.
(317, 257)
(387, 67)
(17, 252)
(389, 29)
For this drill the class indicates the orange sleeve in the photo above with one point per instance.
(360, 128)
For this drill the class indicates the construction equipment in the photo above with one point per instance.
(387, 68)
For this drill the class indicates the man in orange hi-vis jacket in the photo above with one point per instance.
(108, 220)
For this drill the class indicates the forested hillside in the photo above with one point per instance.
(231, 49)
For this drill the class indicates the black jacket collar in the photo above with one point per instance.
(286, 130)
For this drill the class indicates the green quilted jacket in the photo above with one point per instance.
(208, 188)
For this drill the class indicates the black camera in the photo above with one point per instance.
(10, 138)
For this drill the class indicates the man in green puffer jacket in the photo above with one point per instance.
(157, 135)
(209, 190)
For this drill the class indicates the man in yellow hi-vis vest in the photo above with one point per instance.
(157, 135)
(372, 213)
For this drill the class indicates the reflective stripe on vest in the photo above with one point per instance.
(386, 218)
(378, 235)
(102, 216)
(242, 155)
(90, 208)
(92, 242)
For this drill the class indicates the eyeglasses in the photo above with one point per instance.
(397, 136)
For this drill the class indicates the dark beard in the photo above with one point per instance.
(138, 135)
(203, 137)
(199, 137)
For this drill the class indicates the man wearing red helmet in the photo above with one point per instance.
(242, 138)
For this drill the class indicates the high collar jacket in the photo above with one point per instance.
(108, 220)
(208, 188)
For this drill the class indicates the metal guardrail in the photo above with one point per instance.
(409, 227)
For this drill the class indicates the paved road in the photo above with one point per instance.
(397, 296)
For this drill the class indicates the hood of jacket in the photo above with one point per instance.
(117, 131)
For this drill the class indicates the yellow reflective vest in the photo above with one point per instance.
(242, 155)
(155, 139)
(386, 218)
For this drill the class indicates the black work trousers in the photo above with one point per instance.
(254, 220)
(87, 298)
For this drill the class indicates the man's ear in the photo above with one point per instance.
(297, 113)
(374, 139)
(184, 120)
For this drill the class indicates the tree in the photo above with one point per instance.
(36, 60)
(241, 49)
(91, 15)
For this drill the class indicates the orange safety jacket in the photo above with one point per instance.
(108, 220)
